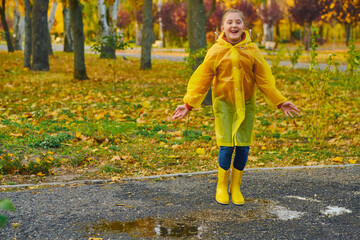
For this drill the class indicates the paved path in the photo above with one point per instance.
(315, 203)
(177, 56)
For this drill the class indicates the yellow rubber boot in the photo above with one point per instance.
(235, 183)
(222, 195)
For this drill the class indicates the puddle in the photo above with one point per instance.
(303, 198)
(194, 224)
(335, 211)
(148, 227)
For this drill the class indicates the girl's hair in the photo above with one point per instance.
(232, 10)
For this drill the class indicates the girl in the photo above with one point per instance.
(234, 66)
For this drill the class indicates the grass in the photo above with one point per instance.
(97, 131)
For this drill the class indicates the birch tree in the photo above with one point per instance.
(68, 37)
(107, 14)
(19, 25)
(50, 24)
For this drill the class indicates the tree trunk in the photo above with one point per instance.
(50, 24)
(76, 22)
(107, 26)
(6, 28)
(307, 34)
(147, 33)
(49, 45)
(40, 58)
(161, 32)
(52, 14)
(68, 37)
(348, 33)
(27, 45)
(196, 22)
(19, 27)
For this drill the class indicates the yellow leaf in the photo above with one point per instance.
(78, 134)
(37, 160)
(91, 238)
(40, 174)
(352, 161)
(174, 156)
(263, 148)
(15, 225)
(338, 159)
(145, 104)
(200, 151)
(16, 134)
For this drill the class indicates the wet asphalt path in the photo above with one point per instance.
(317, 203)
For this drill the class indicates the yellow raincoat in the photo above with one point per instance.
(234, 72)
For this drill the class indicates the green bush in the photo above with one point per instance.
(5, 204)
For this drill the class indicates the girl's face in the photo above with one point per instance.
(233, 27)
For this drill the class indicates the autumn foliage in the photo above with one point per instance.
(92, 130)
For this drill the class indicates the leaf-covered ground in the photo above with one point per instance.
(117, 123)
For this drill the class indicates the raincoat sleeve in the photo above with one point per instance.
(265, 80)
(200, 81)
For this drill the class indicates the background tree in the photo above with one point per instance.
(179, 17)
(168, 26)
(213, 23)
(40, 33)
(68, 37)
(249, 11)
(54, 4)
(79, 39)
(28, 33)
(107, 16)
(270, 16)
(19, 25)
(147, 33)
(196, 25)
(123, 18)
(5, 26)
(346, 12)
(304, 12)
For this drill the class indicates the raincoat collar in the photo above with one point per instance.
(241, 44)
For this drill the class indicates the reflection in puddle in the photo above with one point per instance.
(196, 225)
(149, 227)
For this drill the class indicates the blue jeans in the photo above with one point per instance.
(240, 159)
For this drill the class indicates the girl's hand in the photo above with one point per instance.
(180, 112)
(289, 108)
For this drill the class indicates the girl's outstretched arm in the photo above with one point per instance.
(180, 112)
(289, 108)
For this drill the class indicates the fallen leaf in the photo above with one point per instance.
(352, 161)
(78, 134)
(338, 159)
(200, 151)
